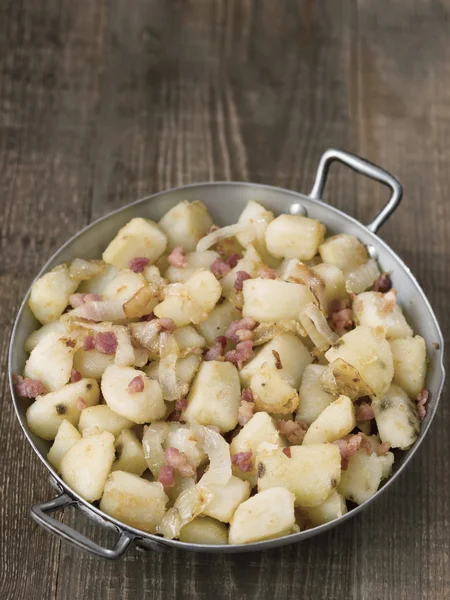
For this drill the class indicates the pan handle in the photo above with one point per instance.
(360, 165)
(41, 513)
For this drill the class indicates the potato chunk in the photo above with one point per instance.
(333, 508)
(181, 436)
(39, 334)
(251, 263)
(256, 215)
(101, 417)
(294, 236)
(134, 501)
(51, 361)
(292, 354)
(185, 224)
(86, 464)
(46, 414)
(343, 251)
(204, 530)
(91, 363)
(66, 437)
(271, 300)
(214, 396)
(49, 295)
(410, 364)
(367, 350)
(196, 261)
(139, 407)
(371, 309)
(227, 498)
(97, 285)
(361, 479)
(129, 454)
(334, 282)
(396, 418)
(261, 429)
(218, 321)
(138, 238)
(271, 392)
(311, 472)
(313, 399)
(335, 421)
(204, 290)
(268, 514)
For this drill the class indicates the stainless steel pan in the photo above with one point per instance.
(225, 201)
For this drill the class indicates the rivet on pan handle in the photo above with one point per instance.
(41, 514)
(360, 165)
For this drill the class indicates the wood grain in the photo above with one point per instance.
(103, 102)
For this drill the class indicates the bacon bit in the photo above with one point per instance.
(88, 342)
(267, 273)
(247, 395)
(149, 317)
(422, 400)
(81, 404)
(78, 299)
(178, 460)
(167, 476)
(138, 263)
(341, 316)
(243, 460)
(383, 449)
(383, 283)
(167, 324)
(287, 451)
(293, 431)
(233, 259)
(136, 385)
(349, 445)
(177, 258)
(238, 331)
(388, 302)
(29, 388)
(364, 412)
(220, 268)
(217, 351)
(181, 404)
(245, 412)
(75, 376)
(105, 342)
(241, 276)
(278, 363)
(242, 352)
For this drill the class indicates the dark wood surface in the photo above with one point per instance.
(105, 101)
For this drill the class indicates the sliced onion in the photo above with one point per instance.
(169, 353)
(267, 331)
(218, 452)
(125, 351)
(154, 436)
(225, 232)
(307, 276)
(141, 303)
(362, 278)
(99, 310)
(85, 269)
(189, 504)
(170, 525)
(147, 335)
(317, 327)
(141, 357)
(342, 378)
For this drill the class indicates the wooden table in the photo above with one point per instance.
(103, 102)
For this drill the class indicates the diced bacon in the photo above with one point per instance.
(389, 301)
(167, 324)
(88, 342)
(220, 268)
(422, 400)
(293, 431)
(167, 476)
(75, 376)
(245, 412)
(341, 316)
(364, 412)
(241, 276)
(78, 299)
(383, 449)
(177, 258)
(383, 283)
(105, 342)
(349, 445)
(28, 388)
(81, 404)
(267, 273)
(217, 351)
(238, 331)
(233, 259)
(243, 460)
(247, 395)
(138, 264)
(287, 451)
(178, 460)
(136, 385)
(242, 353)
(181, 404)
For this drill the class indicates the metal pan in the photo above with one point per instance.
(225, 201)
